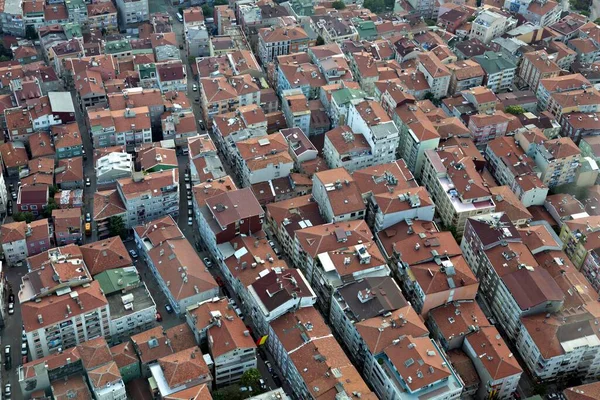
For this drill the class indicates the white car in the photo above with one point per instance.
(7, 392)
(207, 262)
(194, 88)
(23, 349)
(11, 308)
(88, 182)
(190, 221)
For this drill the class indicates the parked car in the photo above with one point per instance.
(201, 123)
(23, 349)
(262, 383)
(189, 195)
(11, 298)
(133, 253)
(7, 363)
(190, 221)
(239, 312)
(14, 195)
(187, 177)
(88, 182)
(24, 360)
(7, 350)
(158, 317)
(207, 262)
(169, 308)
(11, 308)
(194, 87)
(7, 392)
(88, 217)
(219, 281)
(190, 205)
(269, 367)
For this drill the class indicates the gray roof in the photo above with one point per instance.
(386, 297)
(382, 131)
(492, 62)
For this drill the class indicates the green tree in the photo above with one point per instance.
(320, 41)
(47, 213)
(231, 392)
(116, 226)
(23, 216)
(515, 110)
(221, 2)
(429, 22)
(31, 33)
(52, 190)
(250, 378)
(338, 5)
(597, 21)
(376, 6)
(207, 11)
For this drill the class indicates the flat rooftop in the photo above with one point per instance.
(141, 301)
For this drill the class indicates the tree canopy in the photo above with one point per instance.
(515, 110)
(339, 5)
(376, 6)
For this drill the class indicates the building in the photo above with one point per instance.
(512, 167)
(176, 373)
(32, 199)
(112, 167)
(68, 226)
(276, 41)
(294, 105)
(107, 204)
(337, 195)
(507, 272)
(277, 293)
(499, 71)
(84, 314)
(465, 75)
(232, 349)
(263, 159)
(150, 196)
(579, 242)
(298, 339)
(456, 187)
(225, 215)
(132, 309)
(205, 164)
(535, 66)
(558, 160)
(67, 140)
(489, 25)
(180, 272)
(436, 73)
(132, 11)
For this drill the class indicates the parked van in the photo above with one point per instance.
(180, 17)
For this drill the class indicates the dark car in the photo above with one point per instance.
(11, 298)
(169, 308)
(7, 363)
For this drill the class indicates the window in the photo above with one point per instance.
(24, 207)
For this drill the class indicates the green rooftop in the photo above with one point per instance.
(72, 30)
(492, 62)
(303, 7)
(117, 46)
(366, 29)
(116, 280)
(72, 4)
(146, 70)
(344, 96)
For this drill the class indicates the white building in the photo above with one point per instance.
(132, 11)
(112, 167)
(3, 196)
(106, 382)
(436, 73)
(61, 321)
(150, 196)
(489, 25)
(215, 322)
(337, 195)
(277, 293)
(14, 245)
(455, 186)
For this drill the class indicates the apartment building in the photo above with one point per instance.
(68, 226)
(232, 349)
(465, 75)
(180, 272)
(62, 321)
(132, 308)
(489, 25)
(567, 94)
(456, 187)
(540, 13)
(499, 71)
(301, 341)
(276, 41)
(112, 167)
(133, 11)
(204, 162)
(417, 135)
(559, 84)
(263, 159)
(437, 74)
(149, 196)
(276, 293)
(220, 95)
(486, 127)
(580, 242)
(558, 160)
(224, 214)
(512, 167)
(506, 270)
(130, 127)
(535, 66)
(294, 106)
(373, 326)
(337, 195)
(171, 76)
